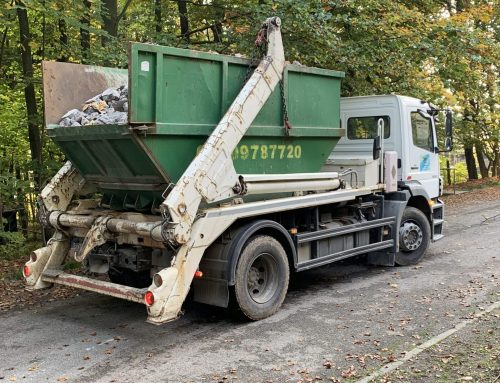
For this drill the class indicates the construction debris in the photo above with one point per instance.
(109, 107)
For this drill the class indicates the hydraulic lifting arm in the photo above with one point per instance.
(211, 176)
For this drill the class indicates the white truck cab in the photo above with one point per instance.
(406, 131)
(409, 130)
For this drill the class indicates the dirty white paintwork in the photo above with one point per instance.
(399, 109)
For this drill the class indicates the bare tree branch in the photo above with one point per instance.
(122, 13)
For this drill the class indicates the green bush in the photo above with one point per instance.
(461, 174)
(12, 245)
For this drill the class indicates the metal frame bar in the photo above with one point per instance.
(115, 290)
(309, 264)
(354, 228)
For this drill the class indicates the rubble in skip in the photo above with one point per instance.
(108, 107)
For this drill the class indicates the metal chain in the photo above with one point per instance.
(286, 122)
(257, 53)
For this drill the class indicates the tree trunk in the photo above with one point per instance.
(217, 26)
(29, 89)
(470, 162)
(183, 19)
(158, 25)
(495, 168)
(448, 171)
(84, 31)
(482, 164)
(4, 40)
(109, 12)
(2, 44)
(63, 41)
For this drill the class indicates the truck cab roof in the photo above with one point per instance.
(378, 100)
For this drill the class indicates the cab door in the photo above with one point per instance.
(423, 159)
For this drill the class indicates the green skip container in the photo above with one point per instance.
(176, 99)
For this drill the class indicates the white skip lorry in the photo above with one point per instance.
(226, 189)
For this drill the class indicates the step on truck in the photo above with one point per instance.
(226, 178)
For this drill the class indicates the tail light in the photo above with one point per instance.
(26, 271)
(149, 298)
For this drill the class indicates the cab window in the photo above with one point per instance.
(359, 128)
(421, 130)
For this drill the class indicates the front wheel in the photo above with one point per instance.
(262, 276)
(414, 237)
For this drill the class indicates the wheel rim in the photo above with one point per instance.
(411, 236)
(262, 278)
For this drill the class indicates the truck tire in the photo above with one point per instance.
(127, 277)
(414, 237)
(261, 279)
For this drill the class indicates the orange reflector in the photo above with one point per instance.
(293, 230)
(149, 298)
(198, 274)
(26, 271)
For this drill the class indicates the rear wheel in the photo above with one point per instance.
(262, 276)
(414, 237)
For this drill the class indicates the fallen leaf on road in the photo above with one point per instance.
(391, 358)
(351, 371)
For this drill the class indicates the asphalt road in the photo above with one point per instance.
(347, 319)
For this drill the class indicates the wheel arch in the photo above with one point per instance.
(419, 199)
(420, 202)
(219, 262)
(264, 227)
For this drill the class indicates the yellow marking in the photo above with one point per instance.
(264, 152)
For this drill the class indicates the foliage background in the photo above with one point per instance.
(443, 51)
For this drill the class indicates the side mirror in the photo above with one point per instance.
(376, 148)
(448, 128)
(448, 144)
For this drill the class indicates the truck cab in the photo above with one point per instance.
(409, 130)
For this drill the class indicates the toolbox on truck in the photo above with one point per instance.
(176, 99)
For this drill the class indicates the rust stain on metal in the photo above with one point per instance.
(67, 86)
(103, 287)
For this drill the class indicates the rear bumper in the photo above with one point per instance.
(115, 290)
